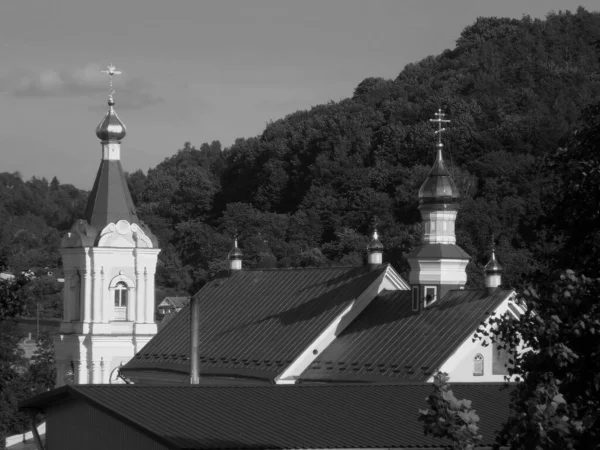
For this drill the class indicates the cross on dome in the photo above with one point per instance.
(440, 120)
(111, 71)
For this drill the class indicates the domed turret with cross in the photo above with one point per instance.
(438, 265)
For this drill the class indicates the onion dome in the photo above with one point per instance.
(375, 245)
(493, 267)
(111, 128)
(438, 188)
(235, 252)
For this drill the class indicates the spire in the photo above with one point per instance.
(111, 129)
(235, 257)
(375, 251)
(110, 199)
(438, 189)
(493, 271)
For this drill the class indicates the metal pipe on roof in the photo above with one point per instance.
(194, 341)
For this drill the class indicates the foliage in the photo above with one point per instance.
(573, 213)
(557, 402)
(14, 385)
(448, 417)
(42, 368)
(11, 301)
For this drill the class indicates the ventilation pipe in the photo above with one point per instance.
(194, 341)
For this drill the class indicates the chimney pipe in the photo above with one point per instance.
(194, 341)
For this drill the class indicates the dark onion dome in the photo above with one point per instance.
(438, 188)
(375, 245)
(493, 267)
(235, 252)
(111, 128)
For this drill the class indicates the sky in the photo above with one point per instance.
(200, 70)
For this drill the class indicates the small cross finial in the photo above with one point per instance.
(440, 120)
(111, 71)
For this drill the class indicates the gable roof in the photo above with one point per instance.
(254, 323)
(110, 199)
(390, 341)
(176, 302)
(275, 416)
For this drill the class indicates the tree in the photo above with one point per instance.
(557, 402)
(13, 380)
(573, 214)
(42, 367)
(12, 304)
(450, 418)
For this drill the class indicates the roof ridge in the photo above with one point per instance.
(336, 385)
(274, 269)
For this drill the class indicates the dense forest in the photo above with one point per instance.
(307, 191)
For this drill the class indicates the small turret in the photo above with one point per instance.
(493, 277)
(375, 251)
(235, 257)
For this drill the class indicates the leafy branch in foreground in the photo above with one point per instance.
(450, 418)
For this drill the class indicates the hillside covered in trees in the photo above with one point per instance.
(307, 191)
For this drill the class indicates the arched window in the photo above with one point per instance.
(478, 365)
(121, 291)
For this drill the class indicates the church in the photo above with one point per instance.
(334, 357)
(285, 326)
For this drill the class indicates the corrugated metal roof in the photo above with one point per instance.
(255, 323)
(297, 416)
(390, 341)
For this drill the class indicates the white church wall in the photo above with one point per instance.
(463, 366)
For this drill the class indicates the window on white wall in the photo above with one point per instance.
(121, 291)
(478, 365)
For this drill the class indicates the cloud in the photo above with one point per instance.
(131, 93)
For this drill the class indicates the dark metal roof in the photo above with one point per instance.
(255, 323)
(438, 251)
(389, 341)
(110, 200)
(277, 417)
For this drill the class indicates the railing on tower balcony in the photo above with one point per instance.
(120, 313)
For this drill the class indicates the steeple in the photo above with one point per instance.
(374, 251)
(109, 259)
(438, 265)
(110, 199)
(493, 273)
(235, 257)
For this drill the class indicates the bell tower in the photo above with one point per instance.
(109, 260)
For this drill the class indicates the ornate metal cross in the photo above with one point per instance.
(111, 71)
(440, 120)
